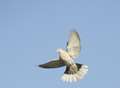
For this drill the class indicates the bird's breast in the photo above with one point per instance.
(66, 58)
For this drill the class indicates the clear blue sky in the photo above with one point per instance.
(32, 30)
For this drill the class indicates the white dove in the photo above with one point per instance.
(74, 71)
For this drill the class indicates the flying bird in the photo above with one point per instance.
(74, 71)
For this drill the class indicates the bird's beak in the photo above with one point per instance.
(58, 50)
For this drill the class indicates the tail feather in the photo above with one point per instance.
(72, 76)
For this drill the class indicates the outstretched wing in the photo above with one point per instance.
(52, 64)
(73, 44)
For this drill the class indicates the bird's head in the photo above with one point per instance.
(59, 50)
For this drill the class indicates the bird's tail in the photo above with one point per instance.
(72, 74)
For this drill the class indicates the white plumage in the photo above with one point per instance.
(74, 71)
(77, 76)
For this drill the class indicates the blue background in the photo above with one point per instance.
(32, 30)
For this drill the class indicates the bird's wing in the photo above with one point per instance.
(52, 64)
(73, 44)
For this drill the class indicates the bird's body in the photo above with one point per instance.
(74, 71)
(65, 57)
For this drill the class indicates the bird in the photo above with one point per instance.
(66, 57)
